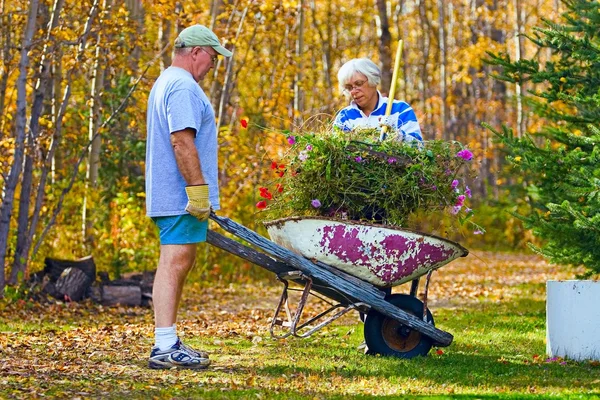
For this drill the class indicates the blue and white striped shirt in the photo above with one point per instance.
(402, 117)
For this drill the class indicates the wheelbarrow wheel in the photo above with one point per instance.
(388, 337)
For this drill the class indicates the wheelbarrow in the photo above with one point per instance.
(352, 266)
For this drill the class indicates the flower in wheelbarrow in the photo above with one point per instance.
(315, 203)
(261, 205)
(465, 155)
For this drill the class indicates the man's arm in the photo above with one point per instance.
(188, 163)
(186, 156)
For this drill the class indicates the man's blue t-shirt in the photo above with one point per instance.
(177, 102)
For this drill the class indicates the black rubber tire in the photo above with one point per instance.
(388, 337)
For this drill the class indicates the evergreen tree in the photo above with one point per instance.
(560, 164)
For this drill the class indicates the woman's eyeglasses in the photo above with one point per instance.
(350, 87)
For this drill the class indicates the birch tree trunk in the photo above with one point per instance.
(298, 92)
(93, 164)
(518, 30)
(20, 124)
(39, 95)
(442, 42)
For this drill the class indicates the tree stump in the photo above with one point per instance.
(72, 284)
(69, 279)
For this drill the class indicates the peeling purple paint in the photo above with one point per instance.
(395, 258)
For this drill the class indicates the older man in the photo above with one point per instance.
(181, 182)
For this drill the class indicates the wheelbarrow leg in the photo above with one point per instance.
(425, 296)
(292, 321)
(414, 287)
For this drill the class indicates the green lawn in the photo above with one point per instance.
(493, 304)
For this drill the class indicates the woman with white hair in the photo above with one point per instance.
(358, 80)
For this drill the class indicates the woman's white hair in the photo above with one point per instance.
(362, 65)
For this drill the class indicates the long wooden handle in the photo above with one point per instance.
(390, 103)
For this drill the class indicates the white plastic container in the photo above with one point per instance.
(573, 319)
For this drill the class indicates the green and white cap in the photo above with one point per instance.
(199, 35)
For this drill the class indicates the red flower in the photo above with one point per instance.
(281, 173)
(273, 165)
(281, 166)
(244, 123)
(264, 192)
(261, 204)
(279, 187)
(439, 352)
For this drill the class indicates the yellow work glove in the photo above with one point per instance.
(198, 204)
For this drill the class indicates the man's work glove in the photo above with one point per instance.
(198, 204)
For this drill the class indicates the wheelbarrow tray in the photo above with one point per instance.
(329, 281)
(382, 255)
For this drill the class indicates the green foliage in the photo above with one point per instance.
(562, 171)
(355, 176)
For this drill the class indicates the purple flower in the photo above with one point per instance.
(291, 140)
(309, 147)
(302, 156)
(465, 155)
(455, 210)
(454, 184)
(478, 232)
(460, 200)
(433, 187)
(448, 172)
(315, 203)
(468, 191)
(391, 160)
(358, 159)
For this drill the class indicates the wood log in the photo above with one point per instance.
(121, 295)
(71, 285)
(348, 288)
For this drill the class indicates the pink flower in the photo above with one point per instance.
(358, 159)
(454, 184)
(455, 210)
(465, 155)
(460, 200)
(468, 191)
(315, 203)
(478, 232)
(302, 156)
(309, 147)
(391, 160)
(291, 140)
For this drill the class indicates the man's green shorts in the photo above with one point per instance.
(181, 229)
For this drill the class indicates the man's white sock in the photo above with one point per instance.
(165, 338)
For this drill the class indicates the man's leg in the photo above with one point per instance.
(173, 266)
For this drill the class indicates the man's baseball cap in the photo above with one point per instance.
(199, 35)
